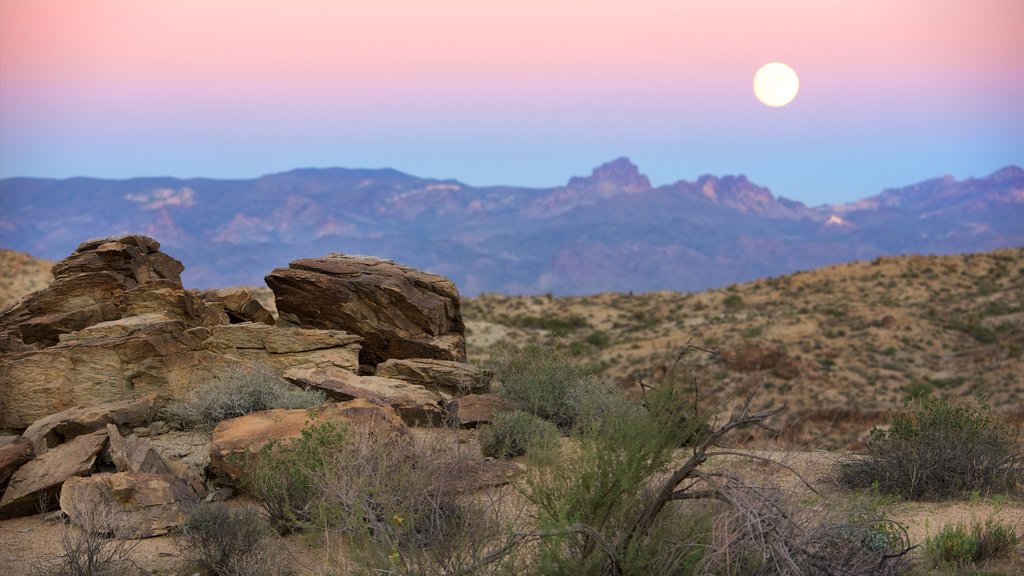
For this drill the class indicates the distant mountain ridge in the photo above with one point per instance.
(609, 231)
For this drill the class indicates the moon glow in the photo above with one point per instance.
(776, 84)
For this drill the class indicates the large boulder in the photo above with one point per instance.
(399, 311)
(417, 405)
(56, 429)
(12, 455)
(135, 504)
(105, 279)
(442, 375)
(114, 322)
(36, 485)
(235, 438)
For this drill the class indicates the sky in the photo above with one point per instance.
(517, 92)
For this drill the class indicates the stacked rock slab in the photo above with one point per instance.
(399, 311)
(117, 323)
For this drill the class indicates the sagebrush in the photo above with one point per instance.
(238, 392)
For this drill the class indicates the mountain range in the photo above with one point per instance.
(609, 231)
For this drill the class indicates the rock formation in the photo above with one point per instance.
(237, 437)
(417, 405)
(116, 322)
(87, 364)
(399, 311)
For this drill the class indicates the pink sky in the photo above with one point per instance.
(518, 92)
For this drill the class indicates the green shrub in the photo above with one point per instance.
(283, 476)
(962, 546)
(598, 339)
(223, 542)
(543, 380)
(512, 434)
(732, 301)
(237, 393)
(940, 449)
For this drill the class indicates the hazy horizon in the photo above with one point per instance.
(525, 93)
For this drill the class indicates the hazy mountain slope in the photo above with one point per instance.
(840, 345)
(610, 230)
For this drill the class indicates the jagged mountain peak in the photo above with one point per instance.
(619, 174)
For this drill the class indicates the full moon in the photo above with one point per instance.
(776, 84)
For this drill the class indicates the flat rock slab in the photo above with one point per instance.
(61, 427)
(400, 312)
(442, 375)
(471, 410)
(417, 405)
(37, 483)
(134, 504)
(237, 437)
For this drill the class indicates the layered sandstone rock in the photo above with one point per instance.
(67, 425)
(239, 305)
(116, 322)
(235, 438)
(127, 504)
(399, 311)
(471, 410)
(287, 347)
(417, 405)
(12, 455)
(36, 485)
(441, 375)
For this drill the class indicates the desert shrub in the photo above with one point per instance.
(544, 380)
(100, 545)
(512, 434)
(942, 448)
(283, 476)
(588, 498)
(962, 546)
(237, 393)
(395, 502)
(732, 301)
(766, 532)
(598, 339)
(223, 542)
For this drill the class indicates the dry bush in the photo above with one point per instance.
(941, 449)
(765, 532)
(515, 433)
(396, 504)
(236, 393)
(223, 542)
(99, 545)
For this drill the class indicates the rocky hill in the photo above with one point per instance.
(609, 231)
(20, 274)
(840, 345)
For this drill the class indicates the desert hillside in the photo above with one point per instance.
(20, 274)
(840, 345)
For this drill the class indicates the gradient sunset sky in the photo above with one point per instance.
(522, 92)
